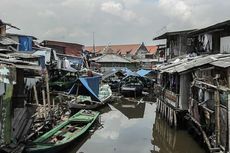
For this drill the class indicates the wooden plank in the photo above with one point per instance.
(47, 90)
(35, 94)
(217, 114)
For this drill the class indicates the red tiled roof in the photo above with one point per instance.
(152, 49)
(119, 49)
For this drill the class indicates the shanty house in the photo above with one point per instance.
(64, 47)
(177, 43)
(212, 39)
(109, 61)
(24, 42)
(5, 42)
(19, 74)
(200, 87)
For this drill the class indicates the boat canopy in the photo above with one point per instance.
(143, 72)
(111, 73)
(90, 86)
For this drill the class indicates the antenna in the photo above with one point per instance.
(94, 50)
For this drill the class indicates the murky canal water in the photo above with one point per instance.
(132, 127)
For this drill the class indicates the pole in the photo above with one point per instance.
(35, 95)
(228, 126)
(217, 113)
(94, 50)
(47, 90)
(44, 102)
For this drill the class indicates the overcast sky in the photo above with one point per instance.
(112, 21)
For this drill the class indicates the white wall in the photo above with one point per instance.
(225, 44)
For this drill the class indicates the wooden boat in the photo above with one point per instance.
(132, 89)
(85, 102)
(131, 86)
(63, 80)
(65, 133)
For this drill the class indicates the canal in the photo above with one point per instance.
(130, 126)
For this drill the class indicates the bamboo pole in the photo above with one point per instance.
(47, 90)
(53, 102)
(44, 102)
(175, 119)
(217, 114)
(35, 95)
(228, 126)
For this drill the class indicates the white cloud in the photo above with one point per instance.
(51, 33)
(176, 8)
(117, 9)
(136, 20)
(46, 13)
(112, 7)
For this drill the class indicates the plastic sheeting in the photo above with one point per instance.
(91, 86)
(143, 72)
(25, 43)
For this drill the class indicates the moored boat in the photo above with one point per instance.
(131, 86)
(86, 102)
(65, 133)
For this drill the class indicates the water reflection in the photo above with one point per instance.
(168, 140)
(120, 134)
(130, 108)
(129, 126)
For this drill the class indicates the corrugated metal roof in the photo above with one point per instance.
(7, 41)
(212, 27)
(223, 62)
(173, 33)
(110, 58)
(220, 60)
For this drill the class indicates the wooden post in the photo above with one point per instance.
(175, 119)
(47, 90)
(44, 102)
(53, 103)
(228, 109)
(217, 114)
(77, 89)
(228, 126)
(35, 95)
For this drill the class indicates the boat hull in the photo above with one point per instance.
(73, 129)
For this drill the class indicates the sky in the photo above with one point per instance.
(111, 21)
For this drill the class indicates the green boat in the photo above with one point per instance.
(65, 133)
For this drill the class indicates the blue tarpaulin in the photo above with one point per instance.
(91, 84)
(126, 71)
(25, 43)
(143, 72)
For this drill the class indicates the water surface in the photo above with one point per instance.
(129, 126)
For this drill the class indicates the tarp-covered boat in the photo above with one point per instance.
(90, 95)
(65, 133)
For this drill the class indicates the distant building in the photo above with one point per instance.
(152, 51)
(134, 51)
(64, 47)
(110, 61)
